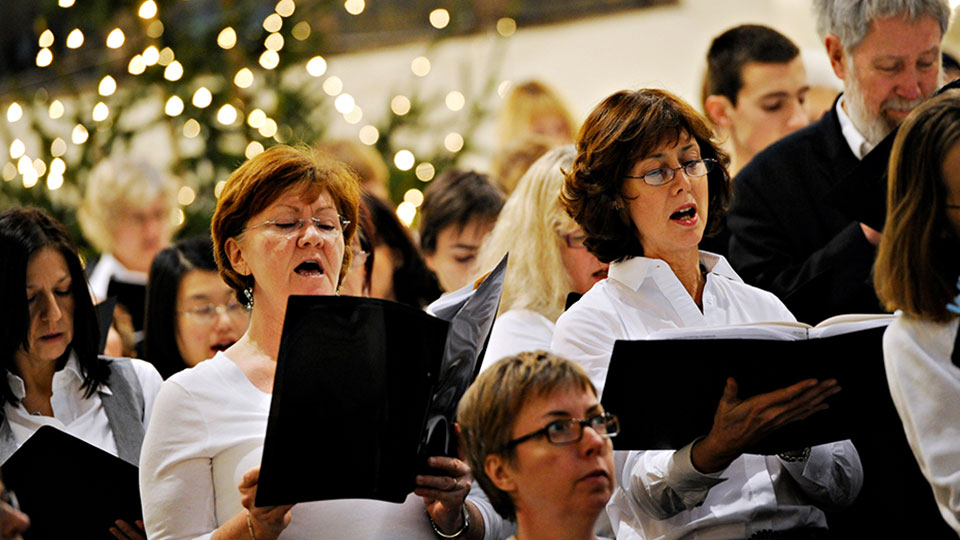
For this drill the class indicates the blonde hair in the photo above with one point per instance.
(530, 228)
(117, 184)
(522, 105)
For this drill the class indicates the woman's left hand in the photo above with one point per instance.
(445, 495)
(125, 531)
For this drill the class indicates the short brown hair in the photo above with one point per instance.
(261, 180)
(455, 198)
(917, 262)
(731, 51)
(626, 127)
(490, 407)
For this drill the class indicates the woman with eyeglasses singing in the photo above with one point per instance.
(547, 259)
(191, 312)
(646, 184)
(282, 226)
(538, 442)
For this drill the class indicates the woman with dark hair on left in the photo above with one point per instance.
(49, 340)
(191, 312)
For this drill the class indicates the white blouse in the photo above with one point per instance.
(660, 494)
(207, 431)
(925, 386)
(84, 418)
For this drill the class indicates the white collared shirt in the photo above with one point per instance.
(855, 140)
(109, 267)
(660, 495)
(81, 417)
(642, 295)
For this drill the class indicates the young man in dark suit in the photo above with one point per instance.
(793, 228)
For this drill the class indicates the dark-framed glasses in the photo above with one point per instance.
(664, 175)
(570, 430)
(330, 227)
(209, 313)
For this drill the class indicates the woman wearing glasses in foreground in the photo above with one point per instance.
(280, 228)
(645, 186)
(538, 443)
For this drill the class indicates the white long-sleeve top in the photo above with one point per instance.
(207, 431)
(660, 494)
(925, 386)
(516, 331)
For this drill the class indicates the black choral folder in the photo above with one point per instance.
(364, 391)
(665, 392)
(105, 319)
(70, 488)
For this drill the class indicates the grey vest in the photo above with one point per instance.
(125, 408)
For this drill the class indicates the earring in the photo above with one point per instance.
(248, 293)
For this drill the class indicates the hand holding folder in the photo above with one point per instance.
(666, 392)
(366, 390)
(740, 424)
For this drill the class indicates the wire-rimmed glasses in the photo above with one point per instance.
(664, 175)
(330, 228)
(209, 313)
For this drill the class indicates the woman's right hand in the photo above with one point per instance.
(267, 521)
(738, 424)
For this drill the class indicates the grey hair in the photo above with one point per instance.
(850, 20)
(115, 184)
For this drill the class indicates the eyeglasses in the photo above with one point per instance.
(329, 228)
(570, 430)
(664, 175)
(209, 313)
(575, 241)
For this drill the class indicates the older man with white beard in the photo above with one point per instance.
(791, 231)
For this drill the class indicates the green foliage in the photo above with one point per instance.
(287, 95)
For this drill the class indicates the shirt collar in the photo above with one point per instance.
(632, 272)
(855, 140)
(116, 270)
(71, 370)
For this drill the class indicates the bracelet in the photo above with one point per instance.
(250, 526)
(458, 534)
(792, 459)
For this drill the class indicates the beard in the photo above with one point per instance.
(874, 126)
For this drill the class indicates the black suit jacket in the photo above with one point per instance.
(794, 234)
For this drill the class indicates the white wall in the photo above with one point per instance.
(584, 60)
